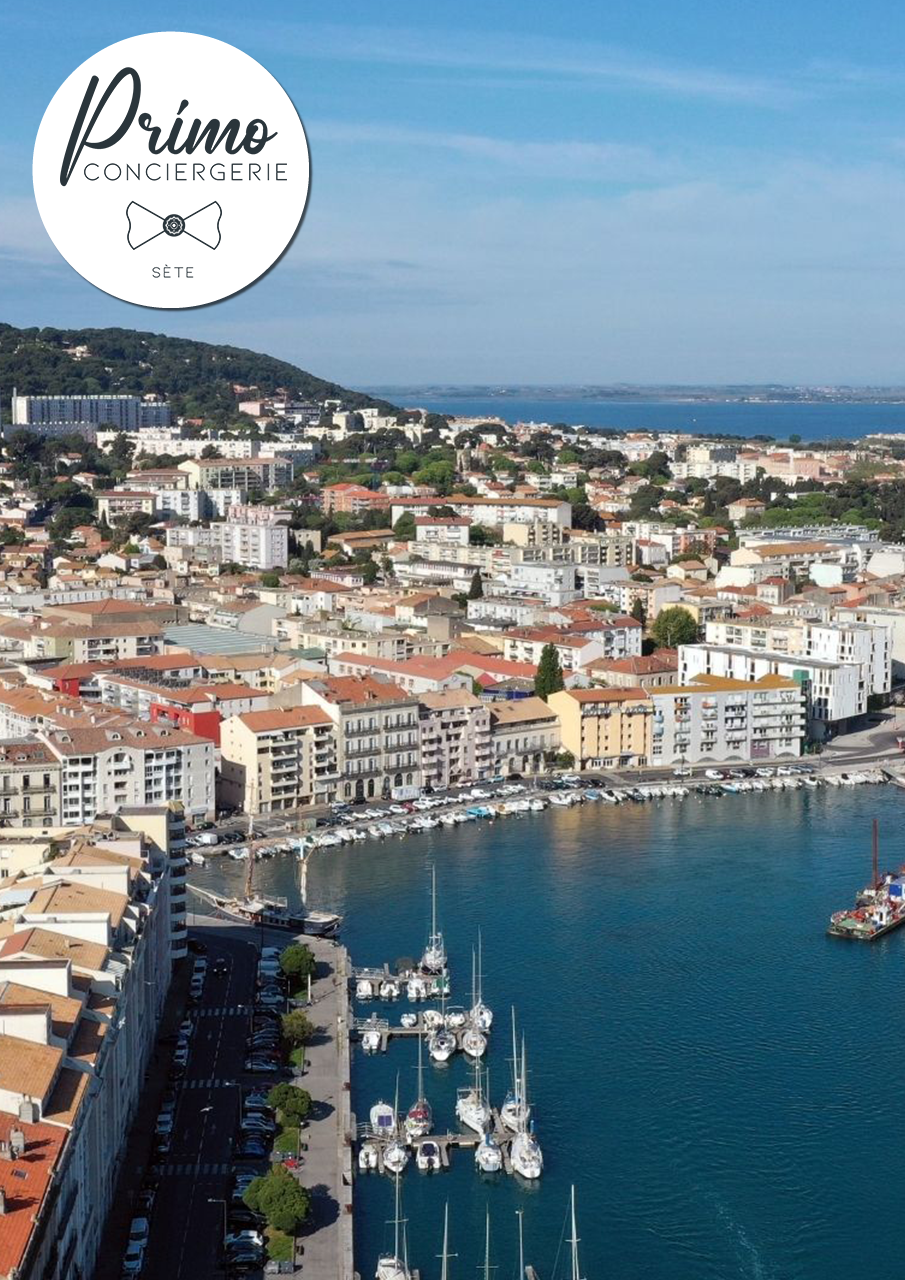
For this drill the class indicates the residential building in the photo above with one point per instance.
(104, 769)
(122, 412)
(456, 742)
(30, 785)
(714, 719)
(604, 728)
(277, 760)
(525, 732)
(378, 750)
(255, 475)
(254, 545)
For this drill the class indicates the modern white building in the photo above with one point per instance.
(719, 720)
(255, 545)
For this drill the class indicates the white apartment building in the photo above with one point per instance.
(135, 765)
(555, 584)
(853, 642)
(254, 545)
(445, 531)
(719, 720)
(456, 744)
(835, 692)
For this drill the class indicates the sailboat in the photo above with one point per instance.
(442, 1044)
(396, 1156)
(419, 1118)
(573, 1242)
(488, 1156)
(514, 1112)
(481, 1015)
(434, 958)
(445, 1255)
(395, 1266)
(472, 1108)
(525, 1154)
(474, 1042)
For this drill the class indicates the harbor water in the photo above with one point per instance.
(717, 1077)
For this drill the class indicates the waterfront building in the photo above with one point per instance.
(378, 749)
(284, 759)
(604, 728)
(525, 732)
(456, 742)
(714, 719)
(132, 764)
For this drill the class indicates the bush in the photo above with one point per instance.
(280, 1199)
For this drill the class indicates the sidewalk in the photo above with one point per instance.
(139, 1148)
(324, 1247)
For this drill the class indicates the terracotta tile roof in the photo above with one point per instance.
(70, 896)
(284, 718)
(65, 1011)
(358, 691)
(25, 1182)
(632, 694)
(27, 1067)
(449, 698)
(85, 740)
(517, 710)
(64, 1102)
(88, 1039)
(55, 946)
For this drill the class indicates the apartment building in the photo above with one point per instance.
(446, 530)
(492, 512)
(102, 641)
(456, 744)
(418, 675)
(120, 412)
(604, 728)
(352, 499)
(333, 639)
(85, 965)
(378, 749)
(254, 475)
(285, 759)
(132, 765)
(835, 691)
(255, 545)
(555, 584)
(524, 733)
(715, 719)
(116, 504)
(30, 785)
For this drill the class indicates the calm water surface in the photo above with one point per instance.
(718, 1078)
(810, 421)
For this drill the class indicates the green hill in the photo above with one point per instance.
(198, 376)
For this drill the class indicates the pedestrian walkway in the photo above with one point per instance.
(194, 1169)
(229, 1011)
(211, 1082)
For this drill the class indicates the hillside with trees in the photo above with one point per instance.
(198, 377)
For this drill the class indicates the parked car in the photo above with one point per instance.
(219, 968)
(139, 1231)
(133, 1260)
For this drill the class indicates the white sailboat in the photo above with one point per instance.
(434, 958)
(367, 1156)
(514, 1112)
(442, 1044)
(472, 1107)
(481, 1015)
(395, 1156)
(525, 1154)
(474, 1042)
(394, 1266)
(488, 1156)
(419, 1117)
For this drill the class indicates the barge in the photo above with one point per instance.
(271, 913)
(879, 908)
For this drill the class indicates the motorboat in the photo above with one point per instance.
(427, 1157)
(383, 1119)
(367, 1156)
(417, 988)
(432, 1019)
(409, 1021)
(474, 1042)
(488, 1156)
(371, 1038)
(442, 1045)
(364, 990)
(395, 1157)
(455, 1019)
(389, 990)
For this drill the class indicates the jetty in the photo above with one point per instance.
(465, 1140)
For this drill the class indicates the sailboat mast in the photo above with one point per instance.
(420, 1067)
(573, 1241)
(521, 1245)
(433, 901)
(480, 993)
(523, 1095)
(515, 1080)
(875, 832)
(487, 1246)
(396, 1223)
(444, 1265)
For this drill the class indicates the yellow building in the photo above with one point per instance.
(604, 728)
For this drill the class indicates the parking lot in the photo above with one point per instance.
(214, 1130)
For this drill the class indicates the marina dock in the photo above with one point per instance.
(464, 1140)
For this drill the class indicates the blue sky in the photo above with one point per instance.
(525, 192)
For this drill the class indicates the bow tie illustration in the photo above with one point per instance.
(202, 225)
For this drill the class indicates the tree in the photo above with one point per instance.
(639, 613)
(674, 626)
(280, 1199)
(549, 673)
(292, 1103)
(296, 961)
(476, 590)
(404, 528)
(297, 1027)
(270, 579)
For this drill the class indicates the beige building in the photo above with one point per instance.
(30, 785)
(604, 728)
(277, 760)
(714, 719)
(524, 732)
(455, 738)
(100, 641)
(378, 748)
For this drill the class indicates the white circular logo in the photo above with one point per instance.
(171, 170)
